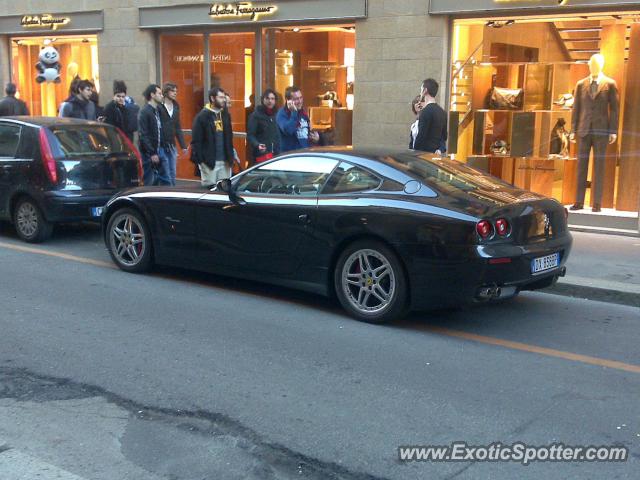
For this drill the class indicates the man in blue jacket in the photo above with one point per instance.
(294, 124)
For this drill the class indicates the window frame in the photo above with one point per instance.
(367, 170)
(286, 195)
(17, 148)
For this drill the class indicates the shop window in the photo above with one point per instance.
(320, 60)
(512, 95)
(78, 56)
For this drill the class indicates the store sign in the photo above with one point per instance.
(457, 7)
(216, 57)
(240, 10)
(559, 2)
(43, 21)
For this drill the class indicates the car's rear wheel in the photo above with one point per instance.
(30, 223)
(370, 282)
(129, 241)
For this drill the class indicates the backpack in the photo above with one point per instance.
(131, 110)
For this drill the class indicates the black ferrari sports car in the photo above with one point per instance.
(385, 231)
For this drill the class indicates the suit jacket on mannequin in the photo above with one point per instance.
(597, 114)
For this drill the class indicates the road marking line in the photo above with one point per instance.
(65, 256)
(549, 352)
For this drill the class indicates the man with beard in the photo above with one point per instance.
(212, 139)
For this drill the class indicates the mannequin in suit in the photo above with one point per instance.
(595, 124)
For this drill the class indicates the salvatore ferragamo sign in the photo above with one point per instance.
(43, 21)
(240, 10)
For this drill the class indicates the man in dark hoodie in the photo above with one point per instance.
(212, 139)
(80, 106)
(117, 113)
(262, 130)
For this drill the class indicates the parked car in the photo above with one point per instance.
(385, 231)
(61, 170)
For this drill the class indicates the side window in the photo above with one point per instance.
(9, 139)
(304, 176)
(349, 178)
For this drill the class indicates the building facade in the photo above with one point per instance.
(359, 64)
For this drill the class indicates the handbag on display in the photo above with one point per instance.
(506, 98)
(500, 147)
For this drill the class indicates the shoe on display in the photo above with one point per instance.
(576, 206)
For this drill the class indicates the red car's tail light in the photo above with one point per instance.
(47, 157)
(502, 227)
(133, 148)
(484, 229)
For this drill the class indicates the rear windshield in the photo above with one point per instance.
(85, 141)
(443, 174)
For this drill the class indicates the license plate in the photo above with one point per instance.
(96, 211)
(545, 263)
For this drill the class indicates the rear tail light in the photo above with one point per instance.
(133, 148)
(484, 229)
(502, 227)
(47, 157)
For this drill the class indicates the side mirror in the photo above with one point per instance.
(224, 185)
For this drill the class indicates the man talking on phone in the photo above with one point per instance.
(294, 124)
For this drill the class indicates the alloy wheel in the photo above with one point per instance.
(27, 219)
(128, 241)
(368, 281)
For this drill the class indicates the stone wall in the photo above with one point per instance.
(397, 47)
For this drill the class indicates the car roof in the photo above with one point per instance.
(387, 155)
(49, 121)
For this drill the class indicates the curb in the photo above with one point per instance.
(608, 295)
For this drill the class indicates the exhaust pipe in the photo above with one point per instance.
(488, 292)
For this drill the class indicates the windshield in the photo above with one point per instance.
(86, 141)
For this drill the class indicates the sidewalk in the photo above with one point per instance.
(602, 267)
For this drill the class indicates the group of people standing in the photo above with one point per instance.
(270, 131)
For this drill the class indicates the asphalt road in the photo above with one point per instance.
(177, 375)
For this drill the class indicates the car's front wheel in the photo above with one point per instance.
(129, 241)
(30, 223)
(370, 282)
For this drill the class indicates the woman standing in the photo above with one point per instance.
(262, 131)
(417, 104)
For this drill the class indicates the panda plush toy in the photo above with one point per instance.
(48, 67)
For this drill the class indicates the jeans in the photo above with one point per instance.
(173, 160)
(157, 174)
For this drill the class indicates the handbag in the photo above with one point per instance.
(264, 158)
(506, 98)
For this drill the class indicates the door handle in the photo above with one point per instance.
(172, 220)
(304, 218)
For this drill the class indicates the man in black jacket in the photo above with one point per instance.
(263, 133)
(115, 112)
(212, 139)
(172, 110)
(432, 122)
(154, 141)
(10, 105)
(81, 106)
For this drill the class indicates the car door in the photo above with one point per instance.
(264, 226)
(10, 166)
